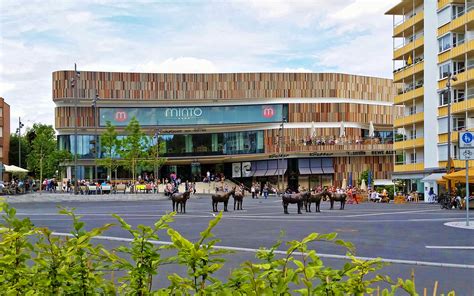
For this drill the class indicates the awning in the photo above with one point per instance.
(265, 168)
(433, 177)
(326, 164)
(315, 166)
(260, 173)
(305, 171)
(14, 169)
(383, 182)
(460, 176)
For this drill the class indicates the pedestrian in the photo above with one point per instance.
(265, 190)
(252, 190)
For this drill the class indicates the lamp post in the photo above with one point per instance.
(74, 85)
(157, 137)
(18, 130)
(451, 77)
(96, 136)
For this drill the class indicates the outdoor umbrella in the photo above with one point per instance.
(371, 130)
(369, 181)
(313, 130)
(342, 130)
(14, 169)
(363, 187)
(350, 179)
(344, 184)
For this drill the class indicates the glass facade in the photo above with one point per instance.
(182, 116)
(249, 142)
(385, 137)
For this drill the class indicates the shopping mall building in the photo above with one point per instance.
(334, 126)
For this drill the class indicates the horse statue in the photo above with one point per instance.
(342, 197)
(316, 198)
(239, 198)
(180, 199)
(295, 198)
(221, 197)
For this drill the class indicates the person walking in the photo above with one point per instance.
(252, 190)
(265, 190)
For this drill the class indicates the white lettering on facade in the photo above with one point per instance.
(183, 113)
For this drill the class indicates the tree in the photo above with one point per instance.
(133, 147)
(44, 157)
(154, 161)
(13, 154)
(109, 145)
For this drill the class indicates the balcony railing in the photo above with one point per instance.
(416, 61)
(410, 86)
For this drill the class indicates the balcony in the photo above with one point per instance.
(459, 107)
(303, 146)
(456, 52)
(413, 143)
(407, 120)
(412, 167)
(406, 26)
(460, 164)
(458, 23)
(443, 138)
(443, 3)
(409, 95)
(408, 71)
(463, 77)
(408, 48)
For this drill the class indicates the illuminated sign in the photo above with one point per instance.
(194, 116)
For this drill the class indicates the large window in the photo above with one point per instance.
(182, 145)
(444, 70)
(444, 43)
(459, 123)
(195, 115)
(443, 98)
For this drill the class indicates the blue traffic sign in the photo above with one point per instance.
(467, 138)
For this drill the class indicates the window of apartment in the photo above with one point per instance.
(1, 112)
(400, 158)
(459, 95)
(458, 39)
(455, 152)
(411, 110)
(459, 67)
(459, 124)
(1, 132)
(443, 98)
(444, 16)
(457, 11)
(444, 43)
(444, 70)
(413, 134)
(412, 157)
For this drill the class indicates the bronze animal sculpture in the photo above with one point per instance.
(180, 199)
(221, 197)
(316, 198)
(295, 198)
(238, 199)
(342, 197)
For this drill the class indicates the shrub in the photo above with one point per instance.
(33, 261)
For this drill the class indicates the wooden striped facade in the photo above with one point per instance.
(361, 100)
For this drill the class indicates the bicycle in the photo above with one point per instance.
(445, 202)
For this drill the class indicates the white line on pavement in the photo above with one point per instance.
(331, 256)
(391, 213)
(450, 247)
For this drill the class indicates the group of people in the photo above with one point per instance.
(335, 141)
(258, 190)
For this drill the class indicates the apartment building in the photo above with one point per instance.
(432, 40)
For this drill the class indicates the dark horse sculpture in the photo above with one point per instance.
(239, 199)
(316, 198)
(295, 198)
(342, 197)
(180, 199)
(221, 197)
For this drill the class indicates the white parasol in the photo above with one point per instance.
(363, 186)
(342, 130)
(371, 130)
(344, 184)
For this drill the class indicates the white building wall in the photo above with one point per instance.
(431, 84)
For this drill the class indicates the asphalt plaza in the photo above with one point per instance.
(409, 236)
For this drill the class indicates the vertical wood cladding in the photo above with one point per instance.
(380, 166)
(164, 86)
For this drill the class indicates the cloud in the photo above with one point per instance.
(39, 37)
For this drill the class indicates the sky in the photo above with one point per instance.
(38, 37)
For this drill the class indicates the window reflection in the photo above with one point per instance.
(182, 145)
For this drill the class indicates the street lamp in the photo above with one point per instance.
(451, 77)
(74, 85)
(18, 131)
(96, 136)
(157, 137)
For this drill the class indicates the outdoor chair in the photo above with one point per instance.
(105, 189)
(94, 189)
(121, 188)
(84, 189)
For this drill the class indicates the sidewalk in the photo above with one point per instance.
(61, 197)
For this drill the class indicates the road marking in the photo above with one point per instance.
(450, 247)
(391, 213)
(322, 255)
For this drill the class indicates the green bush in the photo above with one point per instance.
(33, 261)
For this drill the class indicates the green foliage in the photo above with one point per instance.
(133, 147)
(43, 155)
(34, 261)
(146, 257)
(109, 145)
(13, 153)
